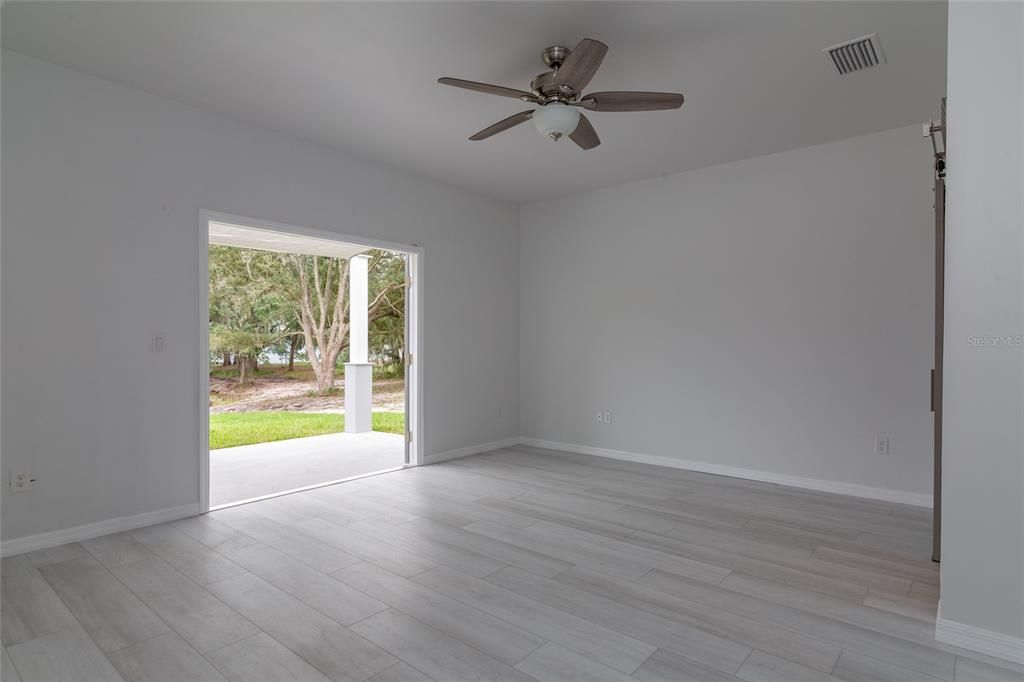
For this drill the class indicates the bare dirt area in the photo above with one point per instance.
(274, 388)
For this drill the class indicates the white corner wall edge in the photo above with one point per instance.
(852, 489)
(30, 543)
(979, 640)
(471, 450)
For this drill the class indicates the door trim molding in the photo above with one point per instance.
(414, 251)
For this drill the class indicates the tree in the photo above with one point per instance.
(294, 345)
(250, 309)
(387, 341)
(321, 305)
(387, 332)
(265, 301)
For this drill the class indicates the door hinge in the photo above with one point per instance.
(932, 402)
(408, 436)
(408, 359)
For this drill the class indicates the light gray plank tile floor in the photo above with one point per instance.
(400, 672)
(326, 644)
(762, 667)
(7, 671)
(520, 564)
(439, 655)
(552, 663)
(66, 656)
(163, 658)
(491, 635)
(30, 608)
(117, 549)
(263, 657)
(201, 619)
(108, 610)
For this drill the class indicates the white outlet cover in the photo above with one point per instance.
(20, 482)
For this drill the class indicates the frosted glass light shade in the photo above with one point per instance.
(556, 120)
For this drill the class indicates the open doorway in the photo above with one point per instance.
(307, 375)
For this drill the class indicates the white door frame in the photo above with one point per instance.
(414, 341)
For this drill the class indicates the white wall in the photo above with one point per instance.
(983, 421)
(773, 314)
(101, 194)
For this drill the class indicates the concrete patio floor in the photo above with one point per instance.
(249, 471)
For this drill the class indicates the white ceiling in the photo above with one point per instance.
(362, 76)
(226, 234)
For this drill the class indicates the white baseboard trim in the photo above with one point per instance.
(855, 490)
(91, 530)
(471, 450)
(976, 639)
(30, 543)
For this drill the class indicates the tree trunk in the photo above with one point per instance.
(321, 312)
(291, 353)
(246, 368)
(226, 359)
(325, 380)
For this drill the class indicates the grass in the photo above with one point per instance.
(228, 430)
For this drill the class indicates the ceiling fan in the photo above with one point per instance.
(559, 96)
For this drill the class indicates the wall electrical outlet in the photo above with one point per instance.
(882, 446)
(20, 482)
(600, 417)
(607, 417)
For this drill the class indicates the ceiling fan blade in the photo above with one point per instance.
(487, 88)
(585, 135)
(581, 64)
(631, 101)
(505, 124)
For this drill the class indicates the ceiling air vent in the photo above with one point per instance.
(856, 54)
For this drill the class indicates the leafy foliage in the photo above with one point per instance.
(261, 301)
(249, 306)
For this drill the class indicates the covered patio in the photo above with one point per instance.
(249, 471)
(245, 472)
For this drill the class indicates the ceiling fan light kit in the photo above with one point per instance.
(558, 94)
(556, 120)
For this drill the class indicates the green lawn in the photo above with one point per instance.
(228, 430)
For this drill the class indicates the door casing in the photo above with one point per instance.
(414, 335)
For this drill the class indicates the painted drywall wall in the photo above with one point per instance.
(773, 314)
(101, 194)
(983, 419)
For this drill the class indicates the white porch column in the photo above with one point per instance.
(358, 370)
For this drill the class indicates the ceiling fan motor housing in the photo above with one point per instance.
(544, 84)
(554, 56)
